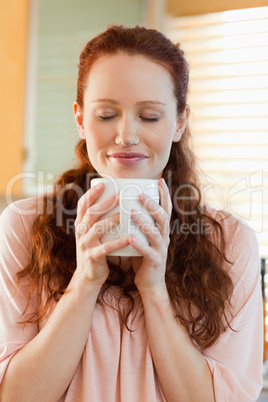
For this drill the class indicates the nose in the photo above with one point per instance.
(126, 132)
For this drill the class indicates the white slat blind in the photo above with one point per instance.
(228, 57)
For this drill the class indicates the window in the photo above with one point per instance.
(228, 57)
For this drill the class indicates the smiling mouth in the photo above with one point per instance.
(127, 158)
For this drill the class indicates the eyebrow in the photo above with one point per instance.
(115, 102)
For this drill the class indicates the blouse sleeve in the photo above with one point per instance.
(236, 359)
(15, 223)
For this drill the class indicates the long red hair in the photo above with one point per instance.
(197, 268)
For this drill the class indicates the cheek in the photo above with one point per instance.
(161, 145)
(162, 141)
(98, 136)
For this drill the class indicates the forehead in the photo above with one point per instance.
(123, 73)
(126, 60)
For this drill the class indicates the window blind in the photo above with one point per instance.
(228, 57)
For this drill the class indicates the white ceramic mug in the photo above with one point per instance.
(129, 190)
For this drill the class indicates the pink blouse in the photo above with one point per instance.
(116, 365)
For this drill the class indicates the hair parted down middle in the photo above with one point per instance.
(197, 267)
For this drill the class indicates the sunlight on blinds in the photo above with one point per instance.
(228, 57)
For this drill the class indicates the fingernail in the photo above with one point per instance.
(99, 186)
(133, 239)
(135, 213)
(163, 182)
(144, 197)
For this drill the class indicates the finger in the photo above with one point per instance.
(109, 247)
(99, 229)
(144, 250)
(102, 207)
(159, 214)
(88, 199)
(151, 231)
(150, 205)
(91, 217)
(95, 211)
(156, 233)
(165, 200)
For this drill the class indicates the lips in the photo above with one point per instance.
(128, 158)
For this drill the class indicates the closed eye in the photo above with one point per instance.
(150, 120)
(145, 119)
(103, 118)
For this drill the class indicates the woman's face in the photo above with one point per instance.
(129, 119)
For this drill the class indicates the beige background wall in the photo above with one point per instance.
(13, 42)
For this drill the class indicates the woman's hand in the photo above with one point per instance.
(151, 267)
(91, 253)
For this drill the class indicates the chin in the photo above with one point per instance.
(127, 175)
(130, 173)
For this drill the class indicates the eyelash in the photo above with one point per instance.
(147, 120)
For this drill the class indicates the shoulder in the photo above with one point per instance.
(17, 218)
(16, 222)
(241, 248)
(239, 236)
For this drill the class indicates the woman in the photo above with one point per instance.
(181, 323)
